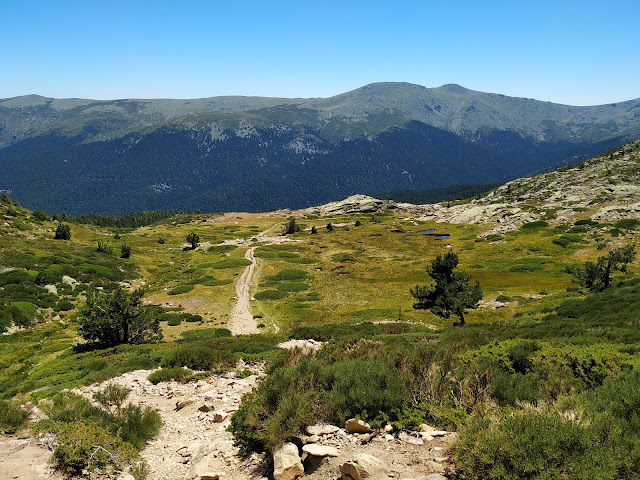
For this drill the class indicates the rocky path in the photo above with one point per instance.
(193, 442)
(241, 320)
(25, 459)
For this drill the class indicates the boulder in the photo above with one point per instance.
(206, 466)
(409, 438)
(357, 426)
(286, 463)
(180, 404)
(51, 289)
(362, 467)
(207, 407)
(126, 476)
(320, 450)
(69, 281)
(321, 429)
(219, 417)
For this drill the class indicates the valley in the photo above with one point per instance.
(543, 375)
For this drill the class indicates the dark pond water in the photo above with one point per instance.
(439, 236)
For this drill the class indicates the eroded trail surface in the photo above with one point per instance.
(25, 459)
(241, 320)
(193, 442)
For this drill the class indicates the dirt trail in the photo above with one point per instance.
(25, 459)
(241, 320)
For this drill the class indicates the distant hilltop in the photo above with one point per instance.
(250, 153)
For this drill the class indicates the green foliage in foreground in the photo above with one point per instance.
(92, 438)
(532, 447)
(557, 397)
(12, 417)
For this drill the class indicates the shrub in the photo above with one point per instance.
(63, 232)
(180, 289)
(270, 295)
(193, 239)
(40, 215)
(89, 446)
(12, 417)
(197, 358)
(532, 447)
(104, 248)
(113, 395)
(174, 322)
(291, 227)
(534, 225)
(615, 410)
(288, 275)
(140, 425)
(231, 263)
(63, 305)
(329, 227)
(293, 287)
(222, 332)
(627, 224)
(177, 374)
(125, 251)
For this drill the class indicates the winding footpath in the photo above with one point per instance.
(241, 321)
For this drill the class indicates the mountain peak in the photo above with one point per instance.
(454, 88)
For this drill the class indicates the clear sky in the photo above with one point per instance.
(575, 52)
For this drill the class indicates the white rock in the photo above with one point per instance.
(362, 467)
(51, 289)
(357, 426)
(320, 450)
(286, 463)
(321, 429)
(407, 438)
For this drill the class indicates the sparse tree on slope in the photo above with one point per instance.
(291, 227)
(63, 232)
(194, 240)
(597, 276)
(115, 318)
(451, 294)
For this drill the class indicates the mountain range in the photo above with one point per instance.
(250, 153)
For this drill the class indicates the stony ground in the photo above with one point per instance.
(194, 444)
(193, 441)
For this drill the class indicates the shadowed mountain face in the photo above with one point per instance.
(248, 153)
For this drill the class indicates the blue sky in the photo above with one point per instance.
(575, 52)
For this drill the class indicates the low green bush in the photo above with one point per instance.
(176, 374)
(628, 224)
(198, 358)
(293, 287)
(231, 263)
(270, 295)
(289, 275)
(12, 417)
(180, 289)
(534, 447)
(63, 305)
(531, 226)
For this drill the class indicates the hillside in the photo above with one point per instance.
(235, 153)
(533, 383)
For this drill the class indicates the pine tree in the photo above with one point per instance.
(451, 294)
